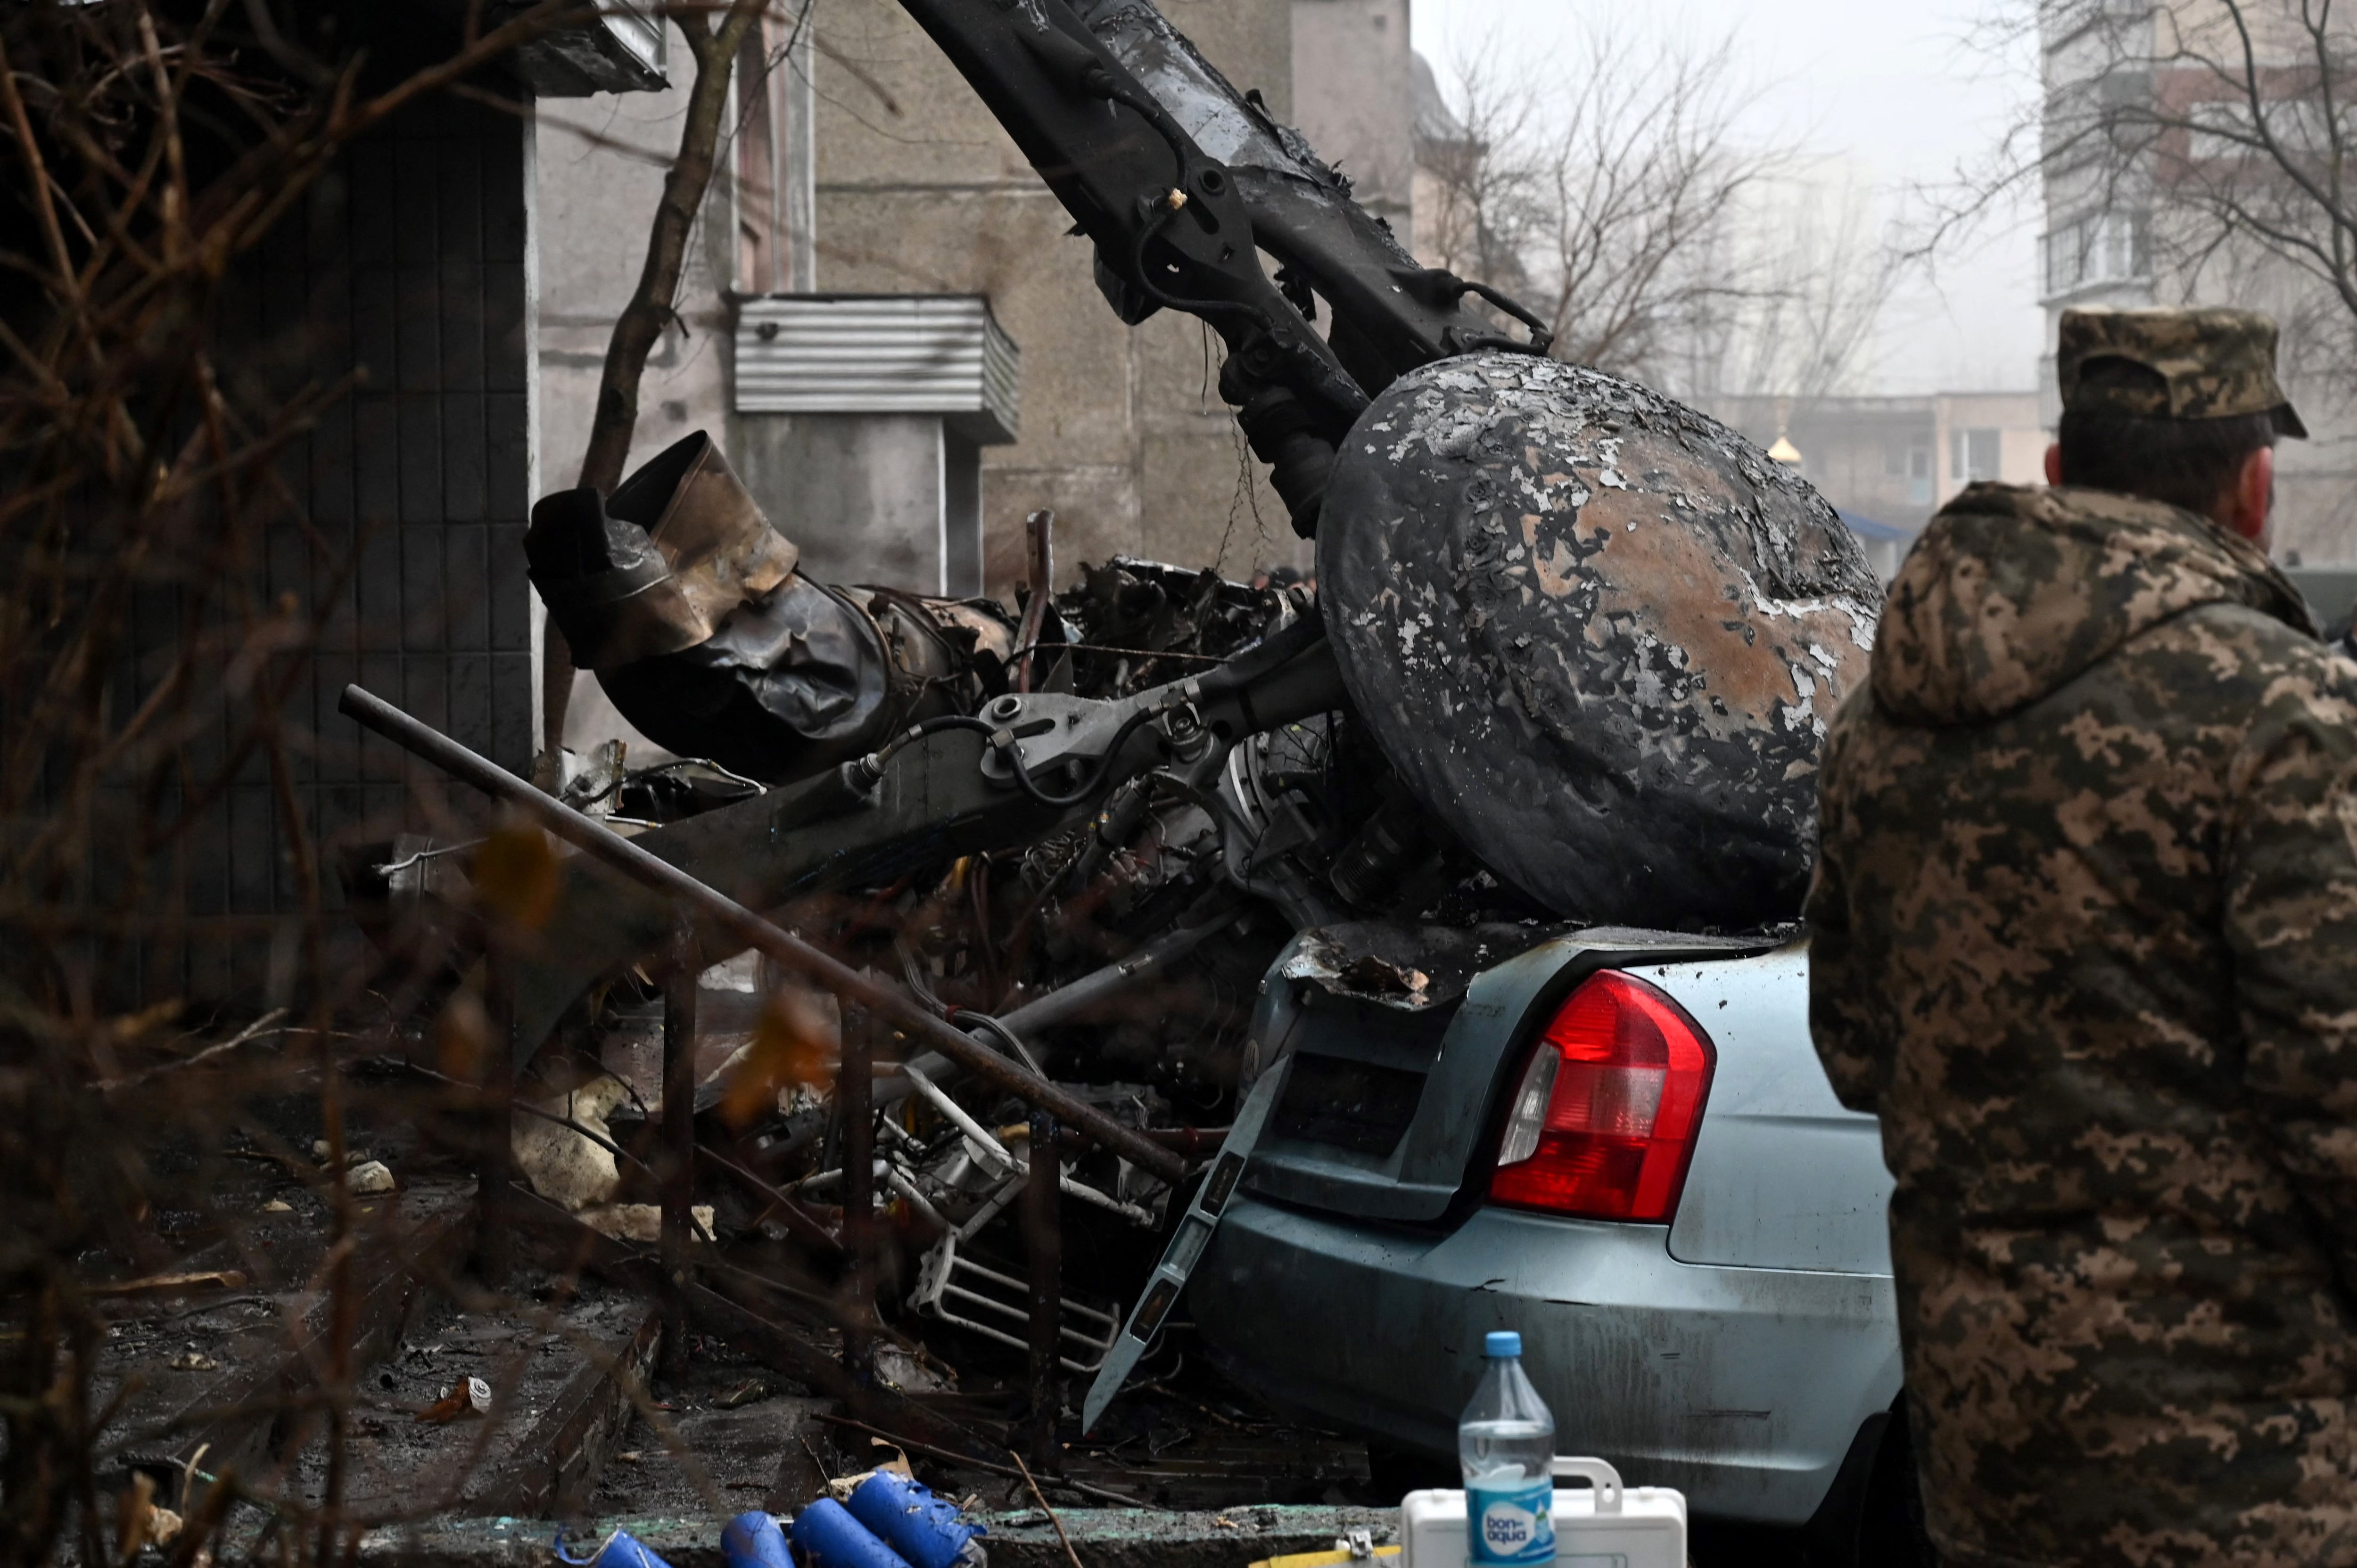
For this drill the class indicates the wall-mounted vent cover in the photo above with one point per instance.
(835, 353)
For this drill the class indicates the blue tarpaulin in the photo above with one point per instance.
(1867, 528)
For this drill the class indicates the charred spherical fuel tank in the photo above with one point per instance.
(1597, 633)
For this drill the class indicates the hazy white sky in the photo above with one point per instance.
(1892, 89)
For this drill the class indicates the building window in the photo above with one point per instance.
(2226, 129)
(1972, 454)
(1912, 465)
(2097, 248)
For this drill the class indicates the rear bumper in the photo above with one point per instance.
(1742, 1388)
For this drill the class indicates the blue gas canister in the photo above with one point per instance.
(754, 1541)
(621, 1549)
(827, 1536)
(927, 1530)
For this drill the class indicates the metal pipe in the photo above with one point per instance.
(918, 1200)
(495, 1166)
(1066, 1001)
(989, 1151)
(988, 1148)
(424, 741)
(681, 984)
(1043, 1242)
(854, 1090)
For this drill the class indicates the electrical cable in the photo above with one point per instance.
(412, 859)
(874, 762)
(734, 778)
(1235, 840)
(1089, 785)
(917, 732)
(967, 1016)
(867, 771)
(913, 972)
(1146, 234)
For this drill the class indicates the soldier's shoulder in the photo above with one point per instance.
(2055, 504)
(2239, 655)
(1866, 749)
(2260, 636)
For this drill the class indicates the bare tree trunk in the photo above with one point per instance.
(640, 327)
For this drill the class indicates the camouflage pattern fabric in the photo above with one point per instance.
(2210, 364)
(2085, 938)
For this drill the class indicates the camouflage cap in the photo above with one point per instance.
(2212, 364)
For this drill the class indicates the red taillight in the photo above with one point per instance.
(1603, 1122)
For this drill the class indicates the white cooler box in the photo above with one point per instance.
(1603, 1526)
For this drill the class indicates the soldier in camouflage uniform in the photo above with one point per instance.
(2085, 939)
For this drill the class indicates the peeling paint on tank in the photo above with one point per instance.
(1613, 714)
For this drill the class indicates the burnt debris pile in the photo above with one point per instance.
(864, 1049)
(838, 1083)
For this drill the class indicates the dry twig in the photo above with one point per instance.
(1041, 1498)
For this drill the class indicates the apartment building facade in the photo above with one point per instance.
(885, 323)
(2147, 145)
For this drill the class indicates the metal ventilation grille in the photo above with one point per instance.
(941, 354)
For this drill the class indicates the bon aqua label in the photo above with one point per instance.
(1515, 1525)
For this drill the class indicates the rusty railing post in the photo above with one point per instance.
(680, 976)
(1040, 558)
(855, 1097)
(1043, 1238)
(494, 1249)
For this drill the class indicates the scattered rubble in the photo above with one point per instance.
(370, 1178)
(469, 1396)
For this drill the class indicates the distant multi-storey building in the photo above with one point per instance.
(2147, 117)
(1888, 463)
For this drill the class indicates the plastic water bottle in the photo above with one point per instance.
(1505, 1441)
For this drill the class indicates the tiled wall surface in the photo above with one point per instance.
(405, 270)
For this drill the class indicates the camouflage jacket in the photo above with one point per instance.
(2085, 938)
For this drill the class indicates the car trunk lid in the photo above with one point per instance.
(1393, 1087)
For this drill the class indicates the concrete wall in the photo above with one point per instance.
(917, 190)
(920, 191)
(600, 173)
(1353, 98)
(867, 496)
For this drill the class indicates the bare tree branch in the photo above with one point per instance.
(714, 44)
(1630, 211)
(2216, 136)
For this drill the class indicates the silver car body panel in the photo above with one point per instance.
(1742, 1388)
(1783, 1177)
(1733, 1354)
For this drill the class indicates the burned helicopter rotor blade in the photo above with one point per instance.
(424, 741)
